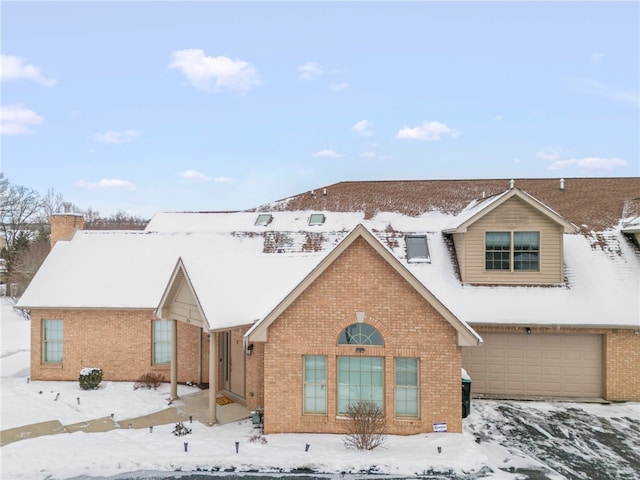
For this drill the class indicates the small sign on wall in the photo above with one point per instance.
(439, 427)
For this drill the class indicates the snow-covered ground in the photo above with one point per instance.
(501, 440)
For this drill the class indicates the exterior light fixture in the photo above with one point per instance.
(359, 349)
(528, 330)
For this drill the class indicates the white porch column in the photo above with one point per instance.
(174, 359)
(213, 376)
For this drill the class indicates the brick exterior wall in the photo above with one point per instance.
(621, 356)
(117, 341)
(360, 280)
(255, 376)
(63, 226)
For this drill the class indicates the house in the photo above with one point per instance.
(361, 290)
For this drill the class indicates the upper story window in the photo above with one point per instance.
(360, 334)
(510, 251)
(263, 219)
(316, 219)
(417, 248)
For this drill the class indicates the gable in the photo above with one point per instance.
(513, 217)
(179, 301)
(360, 287)
(477, 212)
(515, 214)
(466, 335)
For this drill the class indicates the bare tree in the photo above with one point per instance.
(51, 203)
(27, 260)
(367, 426)
(18, 208)
(121, 220)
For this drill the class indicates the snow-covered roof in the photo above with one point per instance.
(602, 288)
(226, 222)
(593, 204)
(242, 270)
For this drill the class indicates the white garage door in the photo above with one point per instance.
(536, 365)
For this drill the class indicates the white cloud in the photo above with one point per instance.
(616, 94)
(225, 72)
(548, 155)
(363, 127)
(327, 153)
(368, 155)
(14, 68)
(596, 57)
(497, 118)
(589, 163)
(106, 183)
(336, 87)
(112, 136)
(193, 175)
(427, 131)
(199, 177)
(310, 71)
(18, 120)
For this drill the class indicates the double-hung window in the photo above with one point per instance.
(161, 342)
(509, 251)
(52, 337)
(526, 251)
(406, 388)
(315, 384)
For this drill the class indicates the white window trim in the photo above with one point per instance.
(154, 342)
(396, 386)
(305, 383)
(45, 342)
(512, 252)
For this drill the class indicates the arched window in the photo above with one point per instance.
(360, 334)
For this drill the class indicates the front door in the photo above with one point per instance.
(233, 362)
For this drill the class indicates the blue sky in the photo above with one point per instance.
(142, 106)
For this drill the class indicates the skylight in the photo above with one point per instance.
(316, 219)
(417, 248)
(264, 219)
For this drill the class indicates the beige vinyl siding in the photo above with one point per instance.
(513, 216)
(184, 306)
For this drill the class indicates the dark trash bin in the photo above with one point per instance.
(466, 395)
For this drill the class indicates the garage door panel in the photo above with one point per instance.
(577, 371)
(552, 365)
(514, 368)
(533, 370)
(517, 386)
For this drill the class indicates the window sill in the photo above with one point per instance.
(405, 420)
(311, 418)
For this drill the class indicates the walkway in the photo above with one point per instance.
(192, 407)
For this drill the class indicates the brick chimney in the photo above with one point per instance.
(64, 225)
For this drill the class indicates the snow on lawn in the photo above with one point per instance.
(484, 450)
